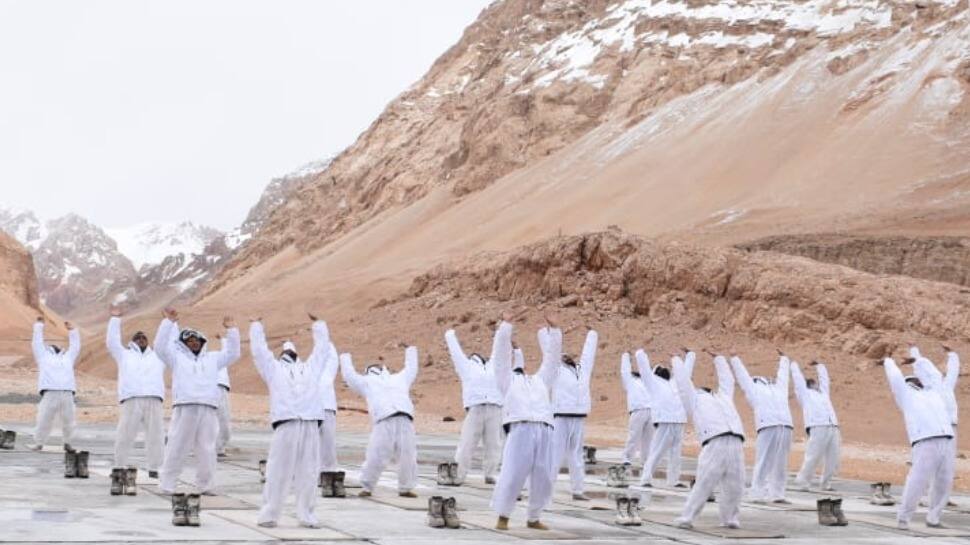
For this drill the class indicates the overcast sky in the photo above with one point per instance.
(131, 110)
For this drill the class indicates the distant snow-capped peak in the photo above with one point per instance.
(150, 243)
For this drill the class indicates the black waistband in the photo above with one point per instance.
(468, 408)
(395, 415)
(725, 434)
(42, 392)
(775, 426)
(569, 415)
(928, 438)
(279, 423)
(141, 397)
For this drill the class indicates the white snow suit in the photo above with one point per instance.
(638, 403)
(55, 382)
(821, 425)
(571, 405)
(668, 416)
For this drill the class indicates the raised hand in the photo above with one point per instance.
(312, 316)
(115, 311)
(908, 361)
(550, 322)
(171, 314)
(813, 363)
(228, 322)
(40, 319)
(69, 325)
(947, 349)
(780, 353)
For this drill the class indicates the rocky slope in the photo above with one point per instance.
(19, 299)
(944, 259)
(721, 118)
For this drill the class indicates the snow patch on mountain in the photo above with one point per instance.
(151, 242)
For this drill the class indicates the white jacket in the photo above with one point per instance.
(478, 384)
(817, 409)
(140, 374)
(294, 388)
(326, 379)
(528, 398)
(386, 393)
(923, 409)
(946, 385)
(571, 392)
(713, 413)
(56, 371)
(195, 378)
(668, 406)
(769, 401)
(637, 396)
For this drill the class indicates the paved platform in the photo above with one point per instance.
(37, 504)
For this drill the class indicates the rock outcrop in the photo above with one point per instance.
(17, 277)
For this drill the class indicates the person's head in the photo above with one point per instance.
(193, 340)
(54, 349)
(662, 372)
(568, 360)
(288, 354)
(478, 358)
(812, 384)
(705, 389)
(374, 369)
(761, 380)
(140, 340)
(914, 382)
(635, 373)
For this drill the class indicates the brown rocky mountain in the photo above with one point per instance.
(19, 300)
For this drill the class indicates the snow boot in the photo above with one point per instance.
(839, 514)
(117, 485)
(262, 471)
(444, 474)
(449, 509)
(70, 465)
(880, 494)
(635, 519)
(180, 510)
(453, 475)
(193, 504)
(618, 476)
(326, 484)
(131, 478)
(623, 511)
(436, 518)
(885, 490)
(8, 439)
(589, 455)
(82, 464)
(826, 515)
(339, 490)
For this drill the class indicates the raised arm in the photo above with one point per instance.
(321, 345)
(332, 365)
(646, 373)
(685, 386)
(230, 347)
(952, 370)
(689, 358)
(262, 356)
(164, 340)
(502, 344)
(587, 361)
(824, 383)
(897, 383)
(798, 381)
(37, 341)
(725, 380)
(354, 381)
(550, 341)
(784, 371)
(626, 371)
(503, 372)
(458, 357)
(410, 364)
(113, 340)
(744, 379)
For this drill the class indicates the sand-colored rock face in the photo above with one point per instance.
(943, 259)
(769, 296)
(17, 276)
(19, 300)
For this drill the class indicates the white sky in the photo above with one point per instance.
(132, 110)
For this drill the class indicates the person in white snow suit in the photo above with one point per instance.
(483, 408)
(572, 403)
(141, 394)
(931, 435)
(296, 412)
(718, 428)
(946, 384)
(638, 404)
(821, 425)
(773, 424)
(527, 415)
(55, 382)
(225, 412)
(195, 389)
(391, 410)
(668, 416)
(328, 426)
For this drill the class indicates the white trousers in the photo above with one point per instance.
(824, 443)
(771, 463)
(294, 460)
(225, 417)
(568, 447)
(59, 404)
(328, 442)
(483, 424)
(528, 456)
(954, 453)
(139, 413)
(638, 436)
(721, 463)
(193, 429)
(668, 440)
(933, 466)
(391, 440)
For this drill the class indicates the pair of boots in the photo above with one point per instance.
(448, 474)
(123, 481)
(628, 511)
(443, 512)
(7, 439)
(262, 471)
(618, 476)
(76, 464)
(830, 512)
(881, 495)
(589, 454)
(185, 509)
(332, 484)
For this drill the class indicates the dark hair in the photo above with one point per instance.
(811, 383)
(662, 372)
(568, 360)
(289, 355)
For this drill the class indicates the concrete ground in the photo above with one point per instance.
(37, 504)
